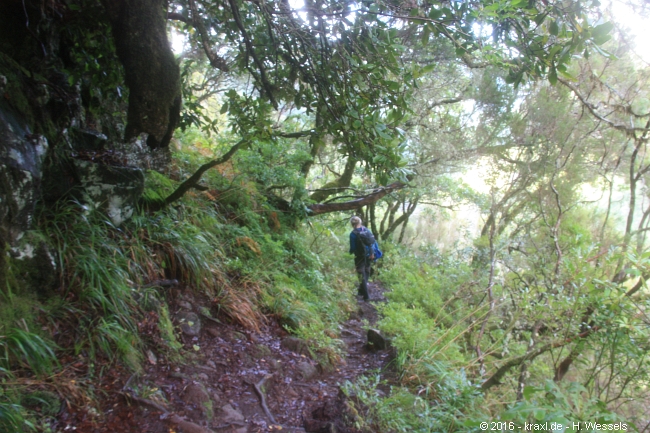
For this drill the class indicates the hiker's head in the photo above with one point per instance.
(355, 221)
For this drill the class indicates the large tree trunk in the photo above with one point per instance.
(152, 74)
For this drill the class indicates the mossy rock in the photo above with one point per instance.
(261, 351)
(166, 328)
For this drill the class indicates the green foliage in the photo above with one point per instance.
(564, 404)
(48, 403)
(166, 328)
(446, 407)
(12, 417)
(28, 350)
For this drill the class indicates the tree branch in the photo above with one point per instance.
(445, 101)
(501, 371)
(342, 182)
(193, 180)
(250, 50)
(318, 208)
(592, 109)
(178, 17)
(215, 60)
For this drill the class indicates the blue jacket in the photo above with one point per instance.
(353, 243)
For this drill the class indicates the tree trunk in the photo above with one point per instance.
(403, 219)
(371, 218)
(152, 74)
(315, 144)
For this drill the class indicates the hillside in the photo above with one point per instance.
(178, 181)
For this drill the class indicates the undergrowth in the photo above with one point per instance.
(436, 314)
(227, 243)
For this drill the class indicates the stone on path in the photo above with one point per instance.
(232, 415)
(376, 340)
(307, 370)
(190, 323)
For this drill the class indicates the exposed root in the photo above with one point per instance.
(186, 426)
(145, 402)
(258, 389)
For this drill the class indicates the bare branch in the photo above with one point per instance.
(192, 181)
(318, 208)
(630, 130)
(215, 60)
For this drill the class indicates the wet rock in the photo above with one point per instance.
(189, 322)
(261, 351)
(115, 190)
(149, 303)
(87, 140)
(307, 370)
(231, 414)
(275, 365)
(21, 160)
(196, 394)
(328, 418)
(295, 345)
(187, 426)
(185, 305)
(179, 375)
(318, 426)
(32, 263)
(21, 172)
(376, 341)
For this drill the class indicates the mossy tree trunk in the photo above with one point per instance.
(152, 73)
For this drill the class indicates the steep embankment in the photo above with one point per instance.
(234, 380)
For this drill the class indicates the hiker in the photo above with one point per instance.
(365, 250)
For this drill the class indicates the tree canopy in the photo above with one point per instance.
(347, 71)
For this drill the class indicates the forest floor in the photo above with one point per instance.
(234, 380)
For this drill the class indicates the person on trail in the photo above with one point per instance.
(365, 250)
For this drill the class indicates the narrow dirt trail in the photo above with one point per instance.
(231, 376)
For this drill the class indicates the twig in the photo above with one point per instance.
(260, 394)
(145, 402)
(205, 316)
(160, 283)
(230, 424)
(127, 385)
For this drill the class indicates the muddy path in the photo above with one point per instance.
(234, 380)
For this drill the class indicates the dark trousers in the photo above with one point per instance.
(362, 265)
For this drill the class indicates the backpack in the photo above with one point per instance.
(366, 237)
(368, 242)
